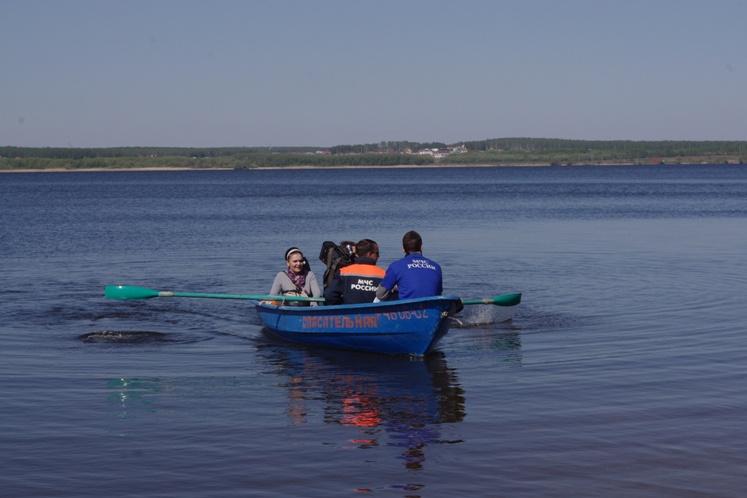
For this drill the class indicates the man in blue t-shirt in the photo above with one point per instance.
(414, 275)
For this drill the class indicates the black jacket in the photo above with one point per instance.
(355, 283)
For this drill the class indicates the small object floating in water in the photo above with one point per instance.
(124, 336)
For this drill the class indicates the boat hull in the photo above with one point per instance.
(408, 326)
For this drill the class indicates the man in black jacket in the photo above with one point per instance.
(357, 283)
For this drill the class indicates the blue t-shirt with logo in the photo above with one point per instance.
(415, 276)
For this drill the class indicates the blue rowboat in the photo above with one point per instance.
(407, 326)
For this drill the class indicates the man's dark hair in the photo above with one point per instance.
(366, 247)
(411, 242)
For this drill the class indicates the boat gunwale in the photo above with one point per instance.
(360, 307)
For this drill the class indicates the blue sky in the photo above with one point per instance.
(258, 73)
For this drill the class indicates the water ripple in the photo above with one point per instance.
(138, 337)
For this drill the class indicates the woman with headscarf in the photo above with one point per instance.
(297, 279)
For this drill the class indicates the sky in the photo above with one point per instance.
(103, 73)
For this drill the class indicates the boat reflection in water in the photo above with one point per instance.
(402, 399)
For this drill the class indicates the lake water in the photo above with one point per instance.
(623, 372)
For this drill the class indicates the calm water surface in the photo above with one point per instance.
(622, 374)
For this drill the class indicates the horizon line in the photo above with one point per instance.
(359, 143)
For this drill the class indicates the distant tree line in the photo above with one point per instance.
(498, 151)
(353, 159)
(561, 151)
(627, 147)
(238, 161)
(386, 147)
(80, 153)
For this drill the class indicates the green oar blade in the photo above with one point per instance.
(129, 292)
(508, 299)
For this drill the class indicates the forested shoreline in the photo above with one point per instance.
(498, 152)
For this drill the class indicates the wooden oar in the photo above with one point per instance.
(137, 292)
(508, 299)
